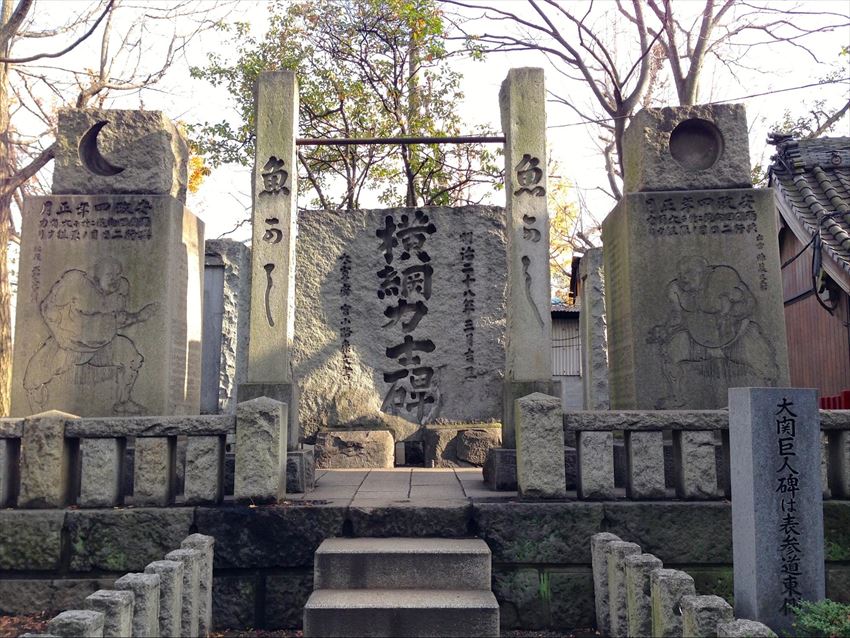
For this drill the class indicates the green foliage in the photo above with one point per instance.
(825, 618)
(366, 68)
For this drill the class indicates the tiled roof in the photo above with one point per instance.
(812, 179)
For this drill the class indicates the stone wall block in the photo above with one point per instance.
(117, 610)
(301, 471)
(192, 560)
(667, 588)
(101, 472)
(205, 545)
(170, 595)
(356, 449)
(695, 464)
(744, 629)
(77, 624)
(260, 471)
(702, 614)
(617, 551)
(599, 560)
(595, 465)
(645, 465)
(145, 588)
(638, 594)
(153, 471)
(45, 461)
(204, 470)
(540, 446)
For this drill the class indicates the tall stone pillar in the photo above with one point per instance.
(274, 191)
(592, 328)
(692, 279)
(528, 364)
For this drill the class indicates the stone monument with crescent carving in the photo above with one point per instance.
(110, 288)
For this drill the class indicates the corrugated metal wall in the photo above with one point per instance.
(566, 351)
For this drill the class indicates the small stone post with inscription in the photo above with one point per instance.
(777, 508)
(110, 293)
(528, 342)
(693, 289)
(273, 246)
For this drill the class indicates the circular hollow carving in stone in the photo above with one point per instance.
(696, 144)
(90, 153)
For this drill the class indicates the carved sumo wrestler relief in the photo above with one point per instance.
(86, 313)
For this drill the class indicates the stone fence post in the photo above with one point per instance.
(45, 461)
(117, 610)
(205, 544)
(260, 464)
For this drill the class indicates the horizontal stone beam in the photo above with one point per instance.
(111, 427)
(648, 420)
(11, 428)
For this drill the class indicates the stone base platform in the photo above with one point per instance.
(52, 559)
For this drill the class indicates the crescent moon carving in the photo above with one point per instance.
(90, 154)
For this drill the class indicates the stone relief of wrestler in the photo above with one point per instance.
(709, 332)
(86, 313)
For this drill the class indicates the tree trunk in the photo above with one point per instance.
(6, 171)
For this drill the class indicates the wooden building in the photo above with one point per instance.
(811, 179)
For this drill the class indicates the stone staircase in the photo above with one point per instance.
(401, 587)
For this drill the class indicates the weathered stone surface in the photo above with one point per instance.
(22, 595)
(687, 148)
(538, 532)
(599, 563)
(124, 540)
(189, 425)
(645, 420)
(645, 462)
(540, 447)
(474, 445)
(204, 482)
(708, 315)
(45, 461)
(745, 629)
(775, 444)
(206, 545)
(702, 614)
(192, 560)
(678, 533)
(353, 380)
(11, 428)
(286, 595)
(260, 473)
(521, 599)
(234, 602)
(571, 603)
(170, 594)
(145, 588)
(77, 624)
(342, 449)
(616, 554)
(440, 447)
(117, 610)
(268, 537)
(9, 467)
(131, 344)
(499, 470)
(444, 519)
(300, 471)
(695, 465)
(668, 587)
(595, 452)
(145, 144)
(638, 594)
(592, 327)
(153, 471)
(231, 342)
(30, 540)
(100, 475)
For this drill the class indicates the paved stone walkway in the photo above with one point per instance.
(403, 485)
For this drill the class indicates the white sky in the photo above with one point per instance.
(225, 195)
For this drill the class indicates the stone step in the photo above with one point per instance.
(402, 563)
(403, 612)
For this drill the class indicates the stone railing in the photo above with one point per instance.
(54, 460)
(678, 454)
(636, 596)
(173, 597)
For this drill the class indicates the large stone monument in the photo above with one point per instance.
(692, 281)
(109, 298)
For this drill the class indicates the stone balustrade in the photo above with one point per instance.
(171, 598)
(54, 460)
(636, 596)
